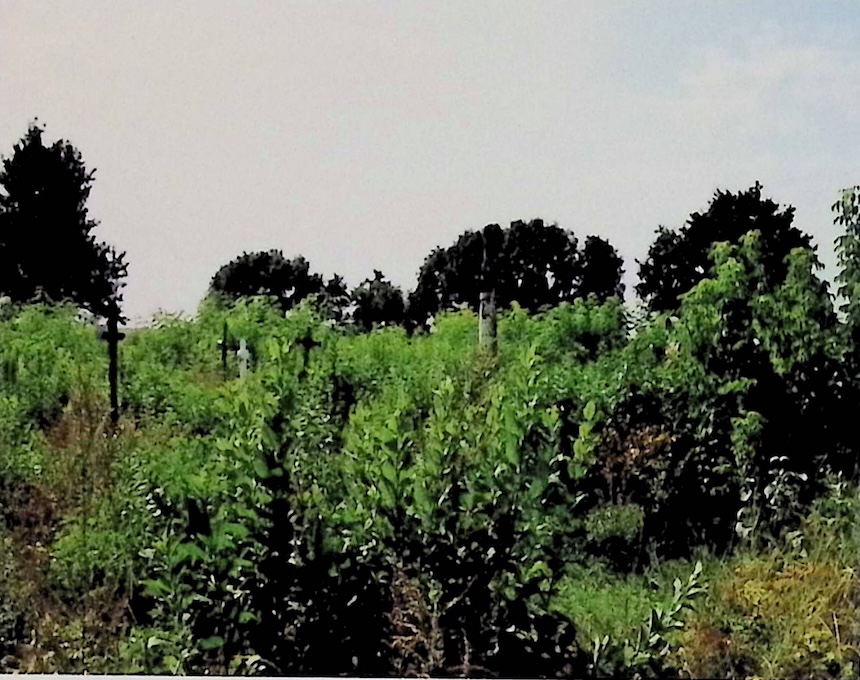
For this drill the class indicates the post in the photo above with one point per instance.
(487, 328)
(487, 306)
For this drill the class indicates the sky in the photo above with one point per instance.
(362, 135)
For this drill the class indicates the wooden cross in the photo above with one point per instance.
(224, 344)
(308, 343)
(112, 336)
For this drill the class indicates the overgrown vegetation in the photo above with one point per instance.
(609, 495)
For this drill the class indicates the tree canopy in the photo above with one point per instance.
(47, 249)
(678, 260)
(269, 273)
(531, 263)
(378, 303)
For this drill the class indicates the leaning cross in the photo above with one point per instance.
(112, 336)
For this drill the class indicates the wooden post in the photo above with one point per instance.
(487, 304)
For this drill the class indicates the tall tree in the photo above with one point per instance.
(601, 270)
(678, 260)
(531, 263)
(47, 249)
(378, 303)
(539, 265)
(267, 273)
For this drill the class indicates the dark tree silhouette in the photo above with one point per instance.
(268, 273)
(538, 267)
(601, 270)
(335, 299)
(378, 303)
(47, 250)
(678, 260)
(534, 264)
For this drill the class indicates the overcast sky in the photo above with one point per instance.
(363, 134)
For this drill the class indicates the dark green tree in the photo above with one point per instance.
(47, 250)
(335, 299)
(539, 266)
(531, 263)
(378, 303)
(268, 273)
(678, 260)
(601, 270)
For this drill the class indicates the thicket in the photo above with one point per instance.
(610, 494)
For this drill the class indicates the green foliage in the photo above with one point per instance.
(678, 260)
(530, 263)
(269, 273)
(647, 654)
(415, 502)
(378, 303)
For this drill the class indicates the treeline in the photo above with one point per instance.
(48, 253)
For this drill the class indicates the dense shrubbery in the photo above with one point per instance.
(424, 507)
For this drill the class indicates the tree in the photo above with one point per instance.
(334, 299)
(601, 270)
(268, 273)
(531, 263)
(378, 303)
(47, 250)
(847, 212)
(678, 260)
(539, 266)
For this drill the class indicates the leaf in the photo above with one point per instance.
(155, 587)
(237, 530)
(247, 617)
(190, 552)
(589, 411)
(261, 469)
(214, 642)
(512, 454)
(389, 472)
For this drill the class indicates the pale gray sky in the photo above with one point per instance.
(363, 134)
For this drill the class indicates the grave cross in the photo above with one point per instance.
(308, 343)
(223, 343)
(112, 336)
(244, 357)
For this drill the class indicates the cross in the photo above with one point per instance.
(224, 345)
(112, 336)
(244, 357)
(308, 343)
